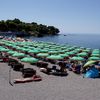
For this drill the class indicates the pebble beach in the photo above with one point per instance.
(71, 87)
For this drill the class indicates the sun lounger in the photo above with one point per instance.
(31, 79)
(60, 73)
(28, 72)
(18, 67)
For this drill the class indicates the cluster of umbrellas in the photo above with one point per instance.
(95, 55)
(47, 50)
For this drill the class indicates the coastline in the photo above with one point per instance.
(72, 87)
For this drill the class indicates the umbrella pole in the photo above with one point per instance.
(10, 77)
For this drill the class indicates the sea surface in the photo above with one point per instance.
(84, 40)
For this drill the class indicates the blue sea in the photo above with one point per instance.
(83, 40)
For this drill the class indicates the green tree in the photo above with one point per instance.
(31, 28)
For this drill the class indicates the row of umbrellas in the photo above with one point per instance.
(49, 50)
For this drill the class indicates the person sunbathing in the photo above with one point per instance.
(45, 70)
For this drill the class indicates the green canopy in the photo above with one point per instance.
(89, 63)
(86, 50)
(96, 55)
(82, 54)
(4, 49)
(53, 52)
(95, 52)
(11, 52)
(70, 53)
(55, 57)
(34, 51)
(94, 58)
(24, 49)
(64, 55)
(42, 54)
(77, 58)
(29, 60)
(43, 51)
(18, 54)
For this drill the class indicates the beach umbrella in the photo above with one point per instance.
(8, 44)
(42, 54)
(95, 52)
(11, 52)
(71, 53)
(82, 54)
(55, 57)
(43, 51)
(34, 51)
(64, 55)
(29, 60)
(77, 58)
(4, 49)
(96, 55)
(89, 63)
(94, 58)
(61, 51)
(82, 47)
(24, 49)
(53, 52)
(18, 54)
(86, 50)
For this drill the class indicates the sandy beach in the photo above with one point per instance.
(71, 87)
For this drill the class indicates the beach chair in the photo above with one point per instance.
(35, 78)
(18, 67)
(28, 72)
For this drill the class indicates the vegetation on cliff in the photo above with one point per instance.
(33, 28)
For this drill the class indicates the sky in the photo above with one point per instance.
(69, 16)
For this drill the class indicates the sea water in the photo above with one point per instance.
(84, 40)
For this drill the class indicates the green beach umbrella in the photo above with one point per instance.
(4, 49)
(11, 52)
(70, 53)
(24, 49)
(34, 51)
(64, 55)
(61, 51)
(53, 52)
(96, 55)
(18, 55)
(77, 58)
(94, 58)
(96, 51)
(86, 50)
(42, 54)
(43, 51)
(89, 63)
(29, 60)
(55, 57)
(82, 54)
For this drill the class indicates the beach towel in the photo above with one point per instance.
(92, 73)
